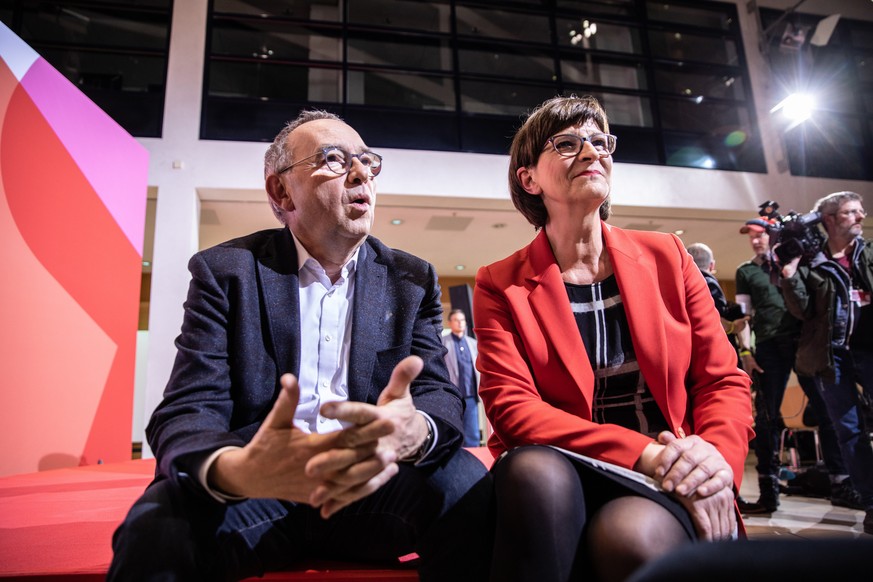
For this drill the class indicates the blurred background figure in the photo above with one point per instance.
(769, 360)
(733, 317)
(832, 296)
(461, 352)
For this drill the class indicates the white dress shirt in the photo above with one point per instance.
(325, 339)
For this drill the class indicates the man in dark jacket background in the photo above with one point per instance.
(769, 358)
(832, 295)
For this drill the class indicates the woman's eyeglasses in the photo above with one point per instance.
(569, 145)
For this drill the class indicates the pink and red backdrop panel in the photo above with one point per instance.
(73, 188)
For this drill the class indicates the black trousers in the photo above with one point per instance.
(176, 531)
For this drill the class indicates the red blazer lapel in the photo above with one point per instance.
(548, 301)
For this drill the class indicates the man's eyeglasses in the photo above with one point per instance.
(569, 145)
(851, 212)
(339, 161)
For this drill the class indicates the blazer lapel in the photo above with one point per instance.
(644, 311)
(452, 359)
(367, 320)
(280, 288)
(548, 301)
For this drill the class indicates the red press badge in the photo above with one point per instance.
(861, 297)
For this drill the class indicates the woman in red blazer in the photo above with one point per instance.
(603, 343)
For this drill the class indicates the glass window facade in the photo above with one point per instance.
(115, 52)
(458, 75)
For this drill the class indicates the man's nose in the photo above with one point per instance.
(358, 172)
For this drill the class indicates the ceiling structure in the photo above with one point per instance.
(459, 235)
(452, 233)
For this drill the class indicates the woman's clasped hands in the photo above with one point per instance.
(701, 480)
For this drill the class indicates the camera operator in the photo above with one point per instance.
(832, 296)
(769, 362)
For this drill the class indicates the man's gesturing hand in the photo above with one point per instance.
(283, 462)
(395, 407)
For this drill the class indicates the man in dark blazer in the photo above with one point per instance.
(309, 414)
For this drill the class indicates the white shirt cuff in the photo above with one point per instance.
(204, 472)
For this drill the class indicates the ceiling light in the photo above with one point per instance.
(460, 267)
(679, 232)
(396, 221)
(797, 107)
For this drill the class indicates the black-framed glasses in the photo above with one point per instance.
(569, 145)
(339, 161)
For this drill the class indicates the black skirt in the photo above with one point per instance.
(603, 482)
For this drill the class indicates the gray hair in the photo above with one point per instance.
(701, 254)
(277, 156)
(831, 203)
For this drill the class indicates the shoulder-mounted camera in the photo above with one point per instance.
(792, 235)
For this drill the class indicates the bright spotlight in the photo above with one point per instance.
(797, 107)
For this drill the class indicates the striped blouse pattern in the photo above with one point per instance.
(621, 395)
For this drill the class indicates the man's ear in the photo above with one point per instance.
(828, 221)
(528, 182)
(277, 193)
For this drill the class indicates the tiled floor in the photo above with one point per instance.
(798, 516)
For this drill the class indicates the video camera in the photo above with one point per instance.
(793, 235)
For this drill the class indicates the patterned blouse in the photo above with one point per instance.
(621, 395)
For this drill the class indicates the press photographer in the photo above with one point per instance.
(768, 356)
(830, 292)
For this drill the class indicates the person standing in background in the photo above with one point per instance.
(733, 319)
(461, 352)
(769, 362)
(833, 296)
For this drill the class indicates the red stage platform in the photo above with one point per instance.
(57, 525)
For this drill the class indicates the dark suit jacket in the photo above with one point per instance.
(538, 385)
(452, 358)
(241, 332)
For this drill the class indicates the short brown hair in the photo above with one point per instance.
(456, 311)
(543, 122)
